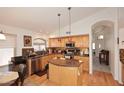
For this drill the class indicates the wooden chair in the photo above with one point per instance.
(104, 57)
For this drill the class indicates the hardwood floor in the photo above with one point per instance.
(96, 79)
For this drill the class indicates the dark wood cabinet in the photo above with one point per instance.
(104, 57)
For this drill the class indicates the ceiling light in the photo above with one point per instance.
(2, 36)
(69, 9)
(59, 39)
(100, 37)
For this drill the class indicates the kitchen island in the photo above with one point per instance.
(65, 72)
(38, 63)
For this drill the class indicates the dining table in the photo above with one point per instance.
(8, 77)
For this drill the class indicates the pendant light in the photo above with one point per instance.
(69, 9)
(2, 36)
(59, 39)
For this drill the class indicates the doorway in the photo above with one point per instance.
(103, 46)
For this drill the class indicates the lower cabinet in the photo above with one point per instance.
(39, 63)
(85, 61)
(45, 59)
(65, 76)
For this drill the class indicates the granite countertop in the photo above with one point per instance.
(38, 56)
(66, 62)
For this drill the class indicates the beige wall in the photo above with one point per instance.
(19, 32)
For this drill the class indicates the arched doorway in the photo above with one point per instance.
(102, 41)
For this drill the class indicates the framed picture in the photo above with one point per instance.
(27, 41)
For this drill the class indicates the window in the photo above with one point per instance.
(5, 55)
(39, 44)
(39, 47)
(93, 45)
(7, 49)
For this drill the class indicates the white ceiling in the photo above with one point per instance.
(42, 19)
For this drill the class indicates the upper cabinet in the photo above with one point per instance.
(81, 41)
(54, 42)
(85, 42)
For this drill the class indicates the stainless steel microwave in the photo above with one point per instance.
(70, 45)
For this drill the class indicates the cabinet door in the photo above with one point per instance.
(52, 42)
(45, 60)
(33, 66)
(75, 39)
(68, 76)
(85, 61)
(43, 63)
(86, 41)
(65, 40)
(54, 73)
(55, 43)
(77, 57)
(86, 66)
(81, 41)
(36, 66)
(40, 64)
(62, 42)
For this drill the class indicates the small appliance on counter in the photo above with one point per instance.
(84, 52)
(50, 51)
(69, 53)
(81, 53)
(69, 56)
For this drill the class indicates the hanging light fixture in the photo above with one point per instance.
(69, 9)
(59, 39)
(2, 36)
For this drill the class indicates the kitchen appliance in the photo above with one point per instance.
(70, 45)
(69, 55)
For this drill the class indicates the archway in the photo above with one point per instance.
(103, 40)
